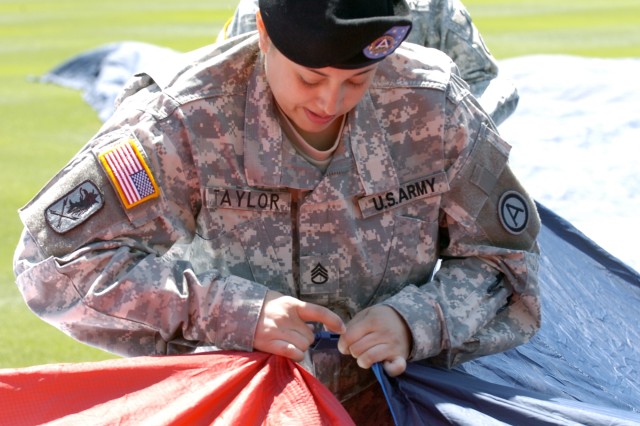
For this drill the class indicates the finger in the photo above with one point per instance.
(395, 366)
(276, 340)
(317, 313)
(344, 345)
(285, 349)
(377, 353)
(365, 343)
(305, 337)
(300, 338)
(291, 351)
(356, 331)
(286, 329)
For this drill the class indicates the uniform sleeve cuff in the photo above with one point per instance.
(240, 308)
(424, 318)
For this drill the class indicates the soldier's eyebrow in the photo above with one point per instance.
(363, 71)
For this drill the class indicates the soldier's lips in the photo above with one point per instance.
(317, 118)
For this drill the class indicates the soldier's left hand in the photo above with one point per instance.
(378, 334)
(283, 326)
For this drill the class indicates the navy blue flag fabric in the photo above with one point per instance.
(583, 367)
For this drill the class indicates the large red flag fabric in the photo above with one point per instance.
(217, 388)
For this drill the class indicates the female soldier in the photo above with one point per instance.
(314, 172)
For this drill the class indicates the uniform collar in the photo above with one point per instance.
(263, 141)
(262, 134)
(371, 150)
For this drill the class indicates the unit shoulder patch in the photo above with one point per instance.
(129, 173)
(513, 212)
(74, 208)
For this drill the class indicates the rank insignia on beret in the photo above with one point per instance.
(387, 43)
(75, 207)
(514, 212)
(129, 173)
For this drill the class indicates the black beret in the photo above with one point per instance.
(336, 33)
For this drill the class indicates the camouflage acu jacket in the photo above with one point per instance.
(441, 24)
(166, 230)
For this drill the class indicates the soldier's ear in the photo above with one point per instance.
(264, 42)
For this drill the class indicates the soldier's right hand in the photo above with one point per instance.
(282, 327)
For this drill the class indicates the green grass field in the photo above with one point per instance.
(42, 126)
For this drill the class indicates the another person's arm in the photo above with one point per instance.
(446, 25)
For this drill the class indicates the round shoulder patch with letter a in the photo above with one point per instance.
(513, 212)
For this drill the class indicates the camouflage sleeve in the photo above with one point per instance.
(110, 271)
(446, 25)
(243, 19)
(484, 298)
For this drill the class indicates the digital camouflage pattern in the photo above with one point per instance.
(440, 24)
(240, 211)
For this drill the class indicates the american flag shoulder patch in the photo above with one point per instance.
(129, 173)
